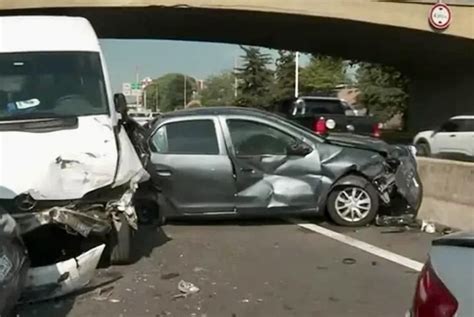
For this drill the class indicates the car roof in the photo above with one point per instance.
(464, 117)
(320, 98)
(205, 111)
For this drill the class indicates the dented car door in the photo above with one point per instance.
(268, 178)
(191, 167)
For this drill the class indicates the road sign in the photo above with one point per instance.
(126, 89)
(136, 89)
(440, 16)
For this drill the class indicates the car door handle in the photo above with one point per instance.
(452, 136)
(247, 170)
(163, 173)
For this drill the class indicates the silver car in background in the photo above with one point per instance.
(445, 287)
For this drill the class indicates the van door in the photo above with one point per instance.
(268, 179)
(192, 169)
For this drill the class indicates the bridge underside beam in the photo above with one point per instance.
(405, 48)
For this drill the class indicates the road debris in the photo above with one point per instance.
(428, 227)
(198, 269)
(186, 289)
(245, 300)
(169, 276)
(103, 293)
(395, 221)
(349, 261)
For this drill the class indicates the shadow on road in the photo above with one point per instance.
(146, 239)
(250, 222)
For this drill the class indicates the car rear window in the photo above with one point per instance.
(314, 106)
(187, 137)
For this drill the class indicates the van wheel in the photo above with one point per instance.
(121, 248)
(423, 149)
(353, 205)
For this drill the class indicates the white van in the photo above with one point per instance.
(68, 169)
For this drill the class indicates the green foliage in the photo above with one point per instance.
(383, 90)
(255, 79)
(167, 92)
(323, 74)
(219, 90)
(284, 76)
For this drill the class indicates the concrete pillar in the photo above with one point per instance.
(437, 94)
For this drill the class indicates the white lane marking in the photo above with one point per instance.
(390, 256)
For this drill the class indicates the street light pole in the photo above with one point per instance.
(235, 78)
(185, 92)
(297, 74)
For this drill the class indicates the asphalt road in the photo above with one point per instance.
(265, 268)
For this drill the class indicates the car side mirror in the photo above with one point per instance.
(120, 103)
(299, 149)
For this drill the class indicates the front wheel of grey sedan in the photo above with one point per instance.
(353, 205)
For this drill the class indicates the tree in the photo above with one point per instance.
(219, 90)
(167, 92)
(383, 90)
(284, 76)
(255, 79)
(323, 74)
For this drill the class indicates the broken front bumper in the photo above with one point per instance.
(400, 180)
(61, 278)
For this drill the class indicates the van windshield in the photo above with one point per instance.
(51, 84)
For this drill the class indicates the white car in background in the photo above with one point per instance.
(141, 117)
(454, 138)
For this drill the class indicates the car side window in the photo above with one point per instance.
(253, 138)
(196, 137)
(450, 126)
(466, 125)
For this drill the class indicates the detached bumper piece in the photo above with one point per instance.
(61, 278)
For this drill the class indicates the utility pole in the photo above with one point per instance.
(185, 92)
(157, 106)
(297, 74)
(236, 84)
(136, 82)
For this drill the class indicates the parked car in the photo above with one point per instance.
(246, 162)
(454, 138)
(445, 286)
(327, 115)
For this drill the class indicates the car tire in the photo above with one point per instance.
(121, 244)
(423, 149)
(362, 198)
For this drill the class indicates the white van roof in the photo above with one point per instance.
(46, 33)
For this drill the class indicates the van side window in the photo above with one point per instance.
(196, 137)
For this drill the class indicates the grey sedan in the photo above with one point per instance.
(245, 162)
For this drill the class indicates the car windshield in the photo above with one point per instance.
(51, 84)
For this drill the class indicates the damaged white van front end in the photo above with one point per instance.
(68, 168)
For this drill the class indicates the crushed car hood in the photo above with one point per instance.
(359, 142)
(67, 163)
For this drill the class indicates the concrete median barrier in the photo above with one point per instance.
(448, 192)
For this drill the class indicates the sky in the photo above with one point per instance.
(154, 58)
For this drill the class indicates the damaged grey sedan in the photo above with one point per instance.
(228, 162)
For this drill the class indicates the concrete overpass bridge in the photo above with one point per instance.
(440, 64)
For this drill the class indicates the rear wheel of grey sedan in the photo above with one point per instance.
(353, 205)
